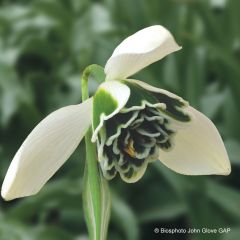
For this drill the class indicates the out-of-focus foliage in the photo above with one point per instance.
(44, 46)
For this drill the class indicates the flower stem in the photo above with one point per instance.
(96, 195)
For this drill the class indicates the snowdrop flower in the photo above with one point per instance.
(133, 124)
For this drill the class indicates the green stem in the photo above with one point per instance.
(96, 196)
(97, 72)
(92, 191)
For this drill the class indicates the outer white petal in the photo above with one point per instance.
(107, 93)
(198, 149)
(140, 50)
(45, 150)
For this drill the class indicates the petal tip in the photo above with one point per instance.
(178, 47)
(7, 192)
(6, 196)
(175, 47)
(198, 150)
(227, 170)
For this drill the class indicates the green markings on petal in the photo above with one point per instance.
(174, 106)
(130, 140)
(109, 99)
(103, 103)
(138, 96)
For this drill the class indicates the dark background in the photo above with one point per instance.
(44, 47)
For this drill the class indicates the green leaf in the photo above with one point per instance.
(227, 198)
(232, 235)
(233, 149)
(125, 219)
(54, 195)
(212, 102)
(51, 233)
(164, 212)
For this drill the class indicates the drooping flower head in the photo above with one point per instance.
(133, 124)
(130, 139)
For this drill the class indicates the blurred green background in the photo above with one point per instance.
(44, 47)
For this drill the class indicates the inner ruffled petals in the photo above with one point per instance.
(131, 140)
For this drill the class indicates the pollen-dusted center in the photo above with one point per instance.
(131, 140)
(129, 148)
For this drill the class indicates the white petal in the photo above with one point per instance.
(109, 99)
(45, 150)
(198, 149)
(140, 50)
